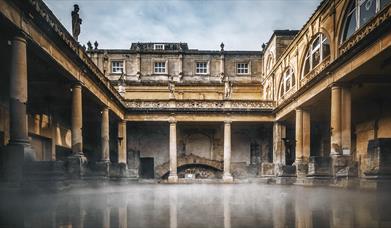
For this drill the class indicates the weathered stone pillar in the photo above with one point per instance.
(299, 135)
(336, 138)
(306, 135)
(173, 176)
(122, 142)
(105, 156)
(18, 98)
(346, 121)
(227, 176)
(77, 121)
(279, 132)
(77, 162)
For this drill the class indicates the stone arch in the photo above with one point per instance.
(281, 78)
(340, 23)
(199, 144)
(183, 160)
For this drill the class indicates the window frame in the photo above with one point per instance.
(165, 62)
(237, 68)
(206, 67)
(311, 51)
(117, 61)
(287, 75)
(158, 45)
(354, 7)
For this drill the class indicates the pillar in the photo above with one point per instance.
(306, 135)
(122, 142)
(173, 176)
(77, 121)
(227, 177)
(336, 138)
(105, 156)
(18, 93)
(279, 133)
(299, 135)
(346, 121)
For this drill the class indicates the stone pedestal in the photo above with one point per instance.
(379, 158)
(339, 162)
(319, 166)
(285, 170)
(267, 169)
(101, 168)
(76, 166)
(301, 168)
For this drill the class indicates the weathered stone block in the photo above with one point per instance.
(267, 169)
(319, 166)
(379, 157)
(301, 168)
(339, 162)
(118, 170)
(285, 170)
(76, 166)
(101, 168)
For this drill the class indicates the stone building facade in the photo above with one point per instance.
(310, 107)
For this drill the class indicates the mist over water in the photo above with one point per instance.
(241, 205)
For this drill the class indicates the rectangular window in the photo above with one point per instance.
(201, 68)
(117, 67)
(158, 46)
(160, 67)
(242, 68)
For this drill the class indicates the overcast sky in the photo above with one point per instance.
(240, 24)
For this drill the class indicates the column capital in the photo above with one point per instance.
(172, 119)
(77, 84)
(227, 121)
(20, 35)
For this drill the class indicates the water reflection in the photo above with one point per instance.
(198, 206)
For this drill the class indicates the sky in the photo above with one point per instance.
(203, 24)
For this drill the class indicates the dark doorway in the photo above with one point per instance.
(147, 170)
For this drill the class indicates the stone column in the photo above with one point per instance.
(306, 135)
(227, 177)
(122, 143)
(336, 138)
(77, 121)
(173, 177)
(299, 135)
(279, 132)
(18, 97)
(346, 121)
(104, 132)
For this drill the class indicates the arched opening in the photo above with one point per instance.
(359, 12)
(288, 81)
(317, 51)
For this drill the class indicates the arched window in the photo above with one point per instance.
(359, 13)
(269, 64)
(288, 81)
(318, 50)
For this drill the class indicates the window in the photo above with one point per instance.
(158, 46)
(117, 67)
(359, 13)
(288, 81)
(201, 67)
(318, 50)
(269, 64)
(242, 68)
(160, 67)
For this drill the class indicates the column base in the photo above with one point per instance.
(101, 168)
(15, 155)
(227, 178)
(301, 168)
(76, 165)
(173, 179)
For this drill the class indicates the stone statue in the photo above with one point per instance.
(89, 46)
(227, 89)
(96, 45)
(171, 87)
(222, 47)
(76, 22)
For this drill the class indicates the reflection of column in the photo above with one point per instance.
(306, 135)
(105, 156)
(346, 120)
(299, 135)
(54, 139)
(173, 177)
(173, 208)
(106, 217)
(227, 209)
(227, 177)
(335, 122)
(279, 212)
(77, 120)
(122, 142)
(279, 133)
